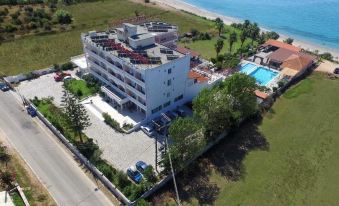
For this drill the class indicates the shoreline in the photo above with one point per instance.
(181, 5)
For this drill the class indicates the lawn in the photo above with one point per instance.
(80, 88)
(40, 51)
(288, 158)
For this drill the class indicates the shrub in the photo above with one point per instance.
(67, 66)
(47, 26)
(79, 93)
(150, 175)
(111, 122)
(10, 28)
(281, 84)
(127, 126)
(63, 17)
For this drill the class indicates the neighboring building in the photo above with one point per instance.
(137, 72)
(288, 59)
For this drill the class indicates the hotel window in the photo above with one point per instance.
(178, 98)
(169, 70)
(169, 82)
(167, 104)
(168, 94)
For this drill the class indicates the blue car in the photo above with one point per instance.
(141, 166)
(134, 174)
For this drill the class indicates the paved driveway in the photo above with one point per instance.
(121, 150)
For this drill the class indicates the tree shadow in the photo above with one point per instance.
(225, 158)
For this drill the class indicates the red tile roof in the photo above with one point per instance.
(195, 75)
(279, 44)
(261, 94)
(298, 62)
(281, 55)
(184, 50)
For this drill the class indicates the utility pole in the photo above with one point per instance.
(173, 175)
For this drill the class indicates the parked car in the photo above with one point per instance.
(66, 78)
(59, 76)
(4, 87)
(134, 174)
(31, 111)
(336, 71)
(141, 166)
(147, 129)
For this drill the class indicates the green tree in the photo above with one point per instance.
(219, 25)
(240, 89)
(288, 41)
(150, 175)
(233, 38)
(243, 38)
(226, 104)
(271, 35)
(63, 17)
(188, 139)
(75, 112)
(254, 32)
(218, 46)
(7, 178)
(4, 156)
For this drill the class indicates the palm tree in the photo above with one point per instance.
(219, 24)
(243, 37)
(233, 38)
(218, 46)
(254, 32)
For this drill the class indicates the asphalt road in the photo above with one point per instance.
(55, 167)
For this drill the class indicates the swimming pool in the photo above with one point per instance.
(261, 74)
(248, 68)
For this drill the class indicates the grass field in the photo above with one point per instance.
(36, 52)
(288, 158)
(80, 88)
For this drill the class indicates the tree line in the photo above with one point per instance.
(215, 111)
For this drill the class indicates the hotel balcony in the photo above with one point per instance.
(114, 94)
(136, 76)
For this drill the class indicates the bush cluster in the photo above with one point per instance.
(112, 123)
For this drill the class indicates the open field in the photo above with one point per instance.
(290, 157)
(40, 51)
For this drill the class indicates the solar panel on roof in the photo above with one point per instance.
(166, 51)
(172, 57)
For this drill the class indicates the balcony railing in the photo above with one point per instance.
(112, 93)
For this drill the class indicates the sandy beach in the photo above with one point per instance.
(181, 5)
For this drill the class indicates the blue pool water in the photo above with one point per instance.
(247, 68)
(316, 21)
(263, 75)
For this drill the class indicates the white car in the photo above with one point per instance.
(149, 130)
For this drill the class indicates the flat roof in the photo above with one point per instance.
(152, 51)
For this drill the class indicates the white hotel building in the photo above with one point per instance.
(138, 71)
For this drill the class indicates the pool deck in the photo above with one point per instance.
(270, 84)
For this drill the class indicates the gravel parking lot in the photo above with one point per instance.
(121, 150)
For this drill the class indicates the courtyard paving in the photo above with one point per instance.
(121, 150)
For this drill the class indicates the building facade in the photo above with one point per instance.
(136, 72)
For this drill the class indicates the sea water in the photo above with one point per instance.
(315, 21)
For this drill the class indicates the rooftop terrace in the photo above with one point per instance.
(146, 57)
